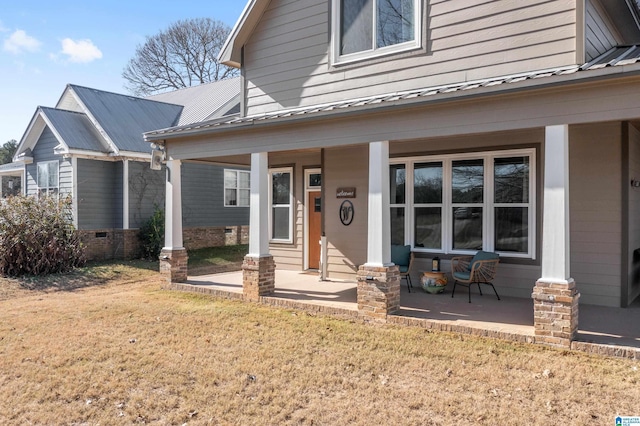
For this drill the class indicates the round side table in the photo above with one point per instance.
(433, 282)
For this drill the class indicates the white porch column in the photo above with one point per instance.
(378, 215)
(125, 194)
(259, 205)
(555, 229)
(378, 279)
(173, 258)
(173, 207)
(258, 268)
(555, 297)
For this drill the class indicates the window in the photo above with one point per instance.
(464, 203)
(237, 188)
(48, 177)
(366, 28)
(281, 210)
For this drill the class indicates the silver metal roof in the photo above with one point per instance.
(75, 129)
(623, 55)
(126, 118)
(204, 102)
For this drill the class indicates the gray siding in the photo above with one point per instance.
(203, 197)
(599, 35)
(634, 213)
(596, 211)
(43, 151)
(287, 58)
(99, 196)
(146, 192)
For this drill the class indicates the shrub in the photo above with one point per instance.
(152, 235)
(37, 236)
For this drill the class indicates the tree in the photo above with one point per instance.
(7, 151)
(183, 55)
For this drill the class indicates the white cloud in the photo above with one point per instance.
(3, 29)
(19, 42)
(80, 51)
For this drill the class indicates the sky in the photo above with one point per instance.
(45, 45)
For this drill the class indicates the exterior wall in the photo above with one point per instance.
(290, 256)
(146, 192)
(346, 245)
(596, 211)
(287, 58)
(215, 236)
(599, 33)
(43, 151)
(109, 243)
(203, 197)
(99, 198)
(633, 224)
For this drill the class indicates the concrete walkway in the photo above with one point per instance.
(510, 316)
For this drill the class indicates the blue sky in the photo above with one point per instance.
(44, 45)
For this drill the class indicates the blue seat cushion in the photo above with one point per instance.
(403, 269)
(482, 255)
(462, 275)
(401, 255)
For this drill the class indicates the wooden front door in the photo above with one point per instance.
(314, 214)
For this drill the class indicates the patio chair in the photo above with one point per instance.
(402, 256)
(478, 269)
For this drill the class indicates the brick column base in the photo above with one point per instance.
(173, 265)
(378, 292)
(258, 277)
(555, 312)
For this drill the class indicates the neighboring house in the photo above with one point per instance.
(91, 147)
(11, 176)
(451, 126)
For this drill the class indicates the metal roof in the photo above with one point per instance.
(205, 101)
(618, 56)
(75, 129)
(11, 169)
(126, 118)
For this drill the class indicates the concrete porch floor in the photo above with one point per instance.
(513, 316)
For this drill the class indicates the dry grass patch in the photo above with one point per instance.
(128, 352)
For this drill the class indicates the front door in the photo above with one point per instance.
(314, 215)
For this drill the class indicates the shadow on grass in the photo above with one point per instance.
(91, 275)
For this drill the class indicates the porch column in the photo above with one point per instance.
(258, 268)
(173, 257)
(555, 297)
(378, 279)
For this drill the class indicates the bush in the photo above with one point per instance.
(37, 236)
(152, 235)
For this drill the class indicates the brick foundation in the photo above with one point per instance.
(173, 265)
(555, 312)
(258, 277)
(215, 236)
(110, 243)
(378, 292)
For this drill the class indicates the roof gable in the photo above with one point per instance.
(74, 130)
(231, 54)
(125, 118)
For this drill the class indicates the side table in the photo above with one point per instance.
(433, 282)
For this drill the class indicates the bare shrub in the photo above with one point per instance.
(37, 236)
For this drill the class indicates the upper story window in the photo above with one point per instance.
(48, 181)
(367, 28)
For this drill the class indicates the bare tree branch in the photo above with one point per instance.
(183, 55)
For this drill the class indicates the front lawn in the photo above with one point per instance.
(115, 348)
(216, 259)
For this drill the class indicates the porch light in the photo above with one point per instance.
(435, 264)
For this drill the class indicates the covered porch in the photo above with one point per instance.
(603, 330)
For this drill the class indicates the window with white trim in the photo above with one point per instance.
(281, 205)
(465, 202)
(237, 188)
(367, 28)
(48, 177)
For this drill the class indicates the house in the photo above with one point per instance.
(452, 126)
(91, 146)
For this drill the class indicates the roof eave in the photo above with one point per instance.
(231, 52)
